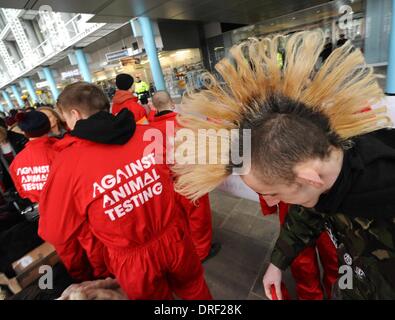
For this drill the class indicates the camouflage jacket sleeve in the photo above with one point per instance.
(301, 228)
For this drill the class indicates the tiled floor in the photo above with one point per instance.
(247, 238)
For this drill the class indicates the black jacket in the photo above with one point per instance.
(103, 127)
(366, 184)
(358, 213)
(17, 142)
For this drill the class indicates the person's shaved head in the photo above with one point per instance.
(162, 101)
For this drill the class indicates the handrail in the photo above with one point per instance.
(23, 67)
(73, 18)
(48, 42)
(5, 30)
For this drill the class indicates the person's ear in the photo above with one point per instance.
(310, 177)
(76, 114)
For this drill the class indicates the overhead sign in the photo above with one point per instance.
(42, 84)
(117, 55)
(70, 74)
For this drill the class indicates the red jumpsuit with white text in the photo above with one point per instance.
(127, 199)
(305, 268)
(198, 214)
(29, 171)
(30, 168)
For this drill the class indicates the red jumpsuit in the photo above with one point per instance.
(125, 99)
(29, 171)
(198, 214)
(30, 168)
(305, 268)
(126, 199)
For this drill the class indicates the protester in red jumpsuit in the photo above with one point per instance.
(29, 171)
(30, 168)
(305, 268)
(124, 98)
(198, 214)
(107, 180)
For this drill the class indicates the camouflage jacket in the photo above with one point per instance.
(359, 214)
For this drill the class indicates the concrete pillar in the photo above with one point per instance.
(7, 98)
(30, 89)
(390, 88)
(51, 82)
(17, 95)
(150, 49)
(83, 65)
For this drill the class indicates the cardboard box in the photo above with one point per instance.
(27, 268)
(12, 284)
(32, 273)
(33, 257)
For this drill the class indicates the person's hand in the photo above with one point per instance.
(69, 291)
(104, 294)
(108, 283)
(272, 277)
(85, 290)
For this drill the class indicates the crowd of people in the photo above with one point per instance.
(154, 252)
(112, 208)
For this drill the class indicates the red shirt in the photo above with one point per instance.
(30, 168)
(166, 123)
(282, 209)
(125, 196)
(125, 99)
(151, 115)
(160, 122)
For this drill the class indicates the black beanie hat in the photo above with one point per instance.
(124, 81)
(34, 123)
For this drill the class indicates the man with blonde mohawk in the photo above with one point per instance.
(311, 146)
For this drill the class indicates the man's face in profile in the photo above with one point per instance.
(300, 193)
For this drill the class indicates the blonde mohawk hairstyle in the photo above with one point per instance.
(339, 89)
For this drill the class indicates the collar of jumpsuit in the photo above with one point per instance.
(103, 127)
(360, 192)
(40, 140)
(165, 114)
(155, 116)
(123, 95)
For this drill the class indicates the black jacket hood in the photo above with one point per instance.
(366, 184)
(103, 127)
(17, 140)
(164, 112)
